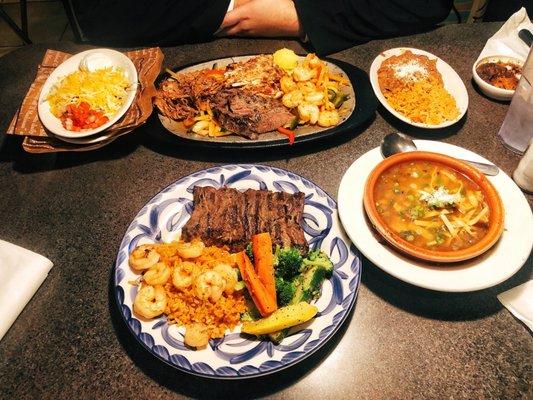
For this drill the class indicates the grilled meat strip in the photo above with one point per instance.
(249, 114)
(228, 217)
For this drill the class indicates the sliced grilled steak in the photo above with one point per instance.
(228, 217)
(249, 114)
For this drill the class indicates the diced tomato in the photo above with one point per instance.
(85, 106)
(78, 117)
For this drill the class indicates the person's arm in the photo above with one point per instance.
(159, 22)
(333, 25)
(267, 18)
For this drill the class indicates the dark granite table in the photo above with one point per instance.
(400, 342)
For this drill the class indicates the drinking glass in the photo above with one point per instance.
(517, 129)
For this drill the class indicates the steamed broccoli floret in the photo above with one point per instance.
(249, 252)
(284, 291)
(287, 263)
(309, 284)
(320, 259)
(251, 313)
(315, 268)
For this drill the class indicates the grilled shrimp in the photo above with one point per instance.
(287, 84)
(191, 249)
(157, 275)
(229, 275)
(307, 87)
(196, 335)
(150, 301)
(143, 257)
(184, 274)
(292, 99)
(308, 112)
(328, 118)
(301, 74)
(209, 285)
(312, 60)
(314, 98)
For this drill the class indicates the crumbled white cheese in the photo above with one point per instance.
(409, 70)
(439, 198)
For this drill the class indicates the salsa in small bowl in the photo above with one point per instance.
(433, 207)
(498, 76)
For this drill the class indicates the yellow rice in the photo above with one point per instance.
(185, 308)
(421, 97)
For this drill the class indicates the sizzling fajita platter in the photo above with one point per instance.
(263, 100)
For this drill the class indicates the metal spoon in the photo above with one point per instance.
(394, 143)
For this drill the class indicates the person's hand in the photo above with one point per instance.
(261, 18)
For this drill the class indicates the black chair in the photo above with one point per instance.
(73, 21)
(21, 31)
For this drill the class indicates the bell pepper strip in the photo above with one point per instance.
(188, 122)
(287, 132)
(293, 124)
(265, 304)
(340, 99)
(264, 261)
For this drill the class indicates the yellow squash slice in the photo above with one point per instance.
(282, 318)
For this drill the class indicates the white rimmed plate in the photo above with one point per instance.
(112, 57)
(452, 82)
(495, 266)
(236, 356)
(93, 139)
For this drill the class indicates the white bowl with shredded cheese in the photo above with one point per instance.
(109, 84)
(452, 83)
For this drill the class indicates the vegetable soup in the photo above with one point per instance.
(432, 206)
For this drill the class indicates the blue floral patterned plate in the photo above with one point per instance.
(236, 356)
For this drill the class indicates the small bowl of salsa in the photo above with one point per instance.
(498, 76)
(433, 207)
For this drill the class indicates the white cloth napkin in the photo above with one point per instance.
(519, 301)
(21, 273)
(506, 42)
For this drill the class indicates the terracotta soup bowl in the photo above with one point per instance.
(433, 207)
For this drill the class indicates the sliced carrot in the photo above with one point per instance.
(287, 132)
(264, 261)
(262, 300)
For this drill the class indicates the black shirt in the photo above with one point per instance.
(333, 25)
(155, 22)
(330, 25)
